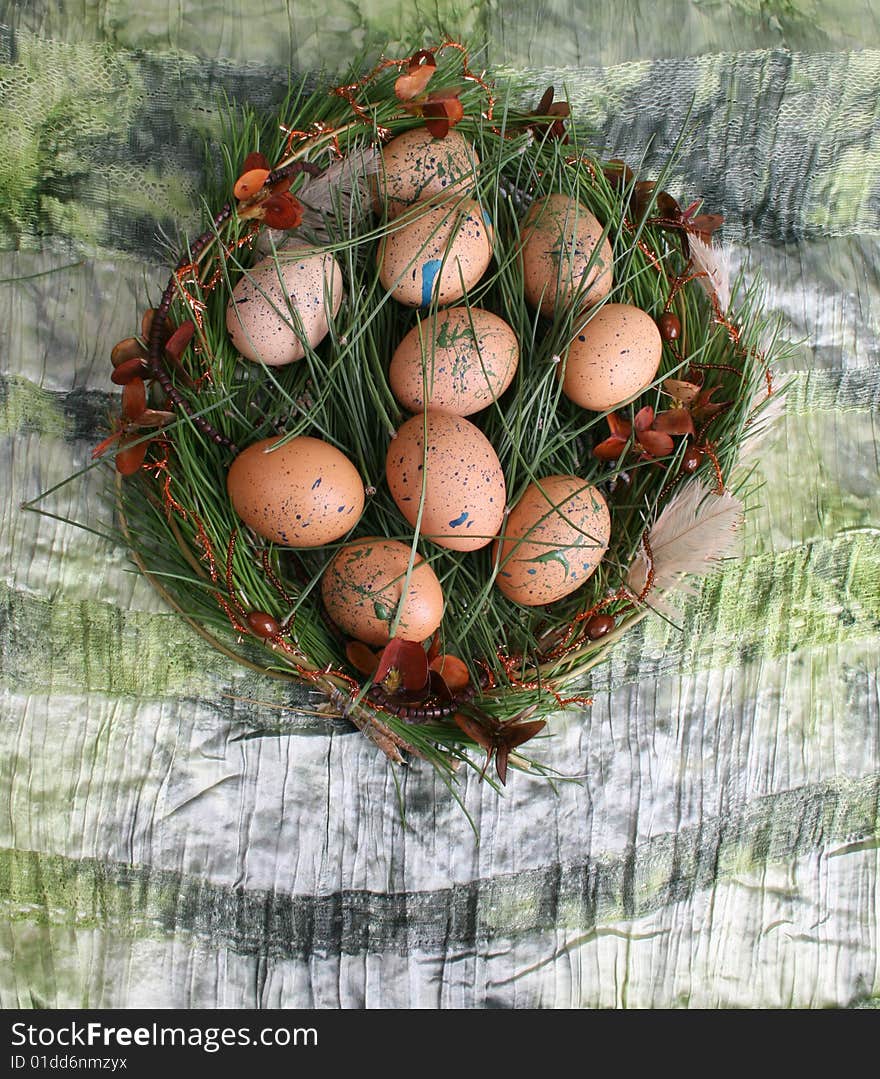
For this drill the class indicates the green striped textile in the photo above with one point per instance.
(175, 832)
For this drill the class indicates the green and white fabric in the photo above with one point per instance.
(173, 832)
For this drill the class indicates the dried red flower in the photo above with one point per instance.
(273, 204)
(695, 398)
(441, 109)
(559, 110)
(129, 356)
(135, 418)
(415, 79)
(649, 436)
(499, 739)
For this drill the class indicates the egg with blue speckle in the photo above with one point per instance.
(555, 538)
(435, 253)
(464, 491)
(302, 493)
(276, 308)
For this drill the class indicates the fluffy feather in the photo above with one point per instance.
(695, 530)
(714, 263)
(763, 415)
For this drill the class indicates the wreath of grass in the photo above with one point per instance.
(177, 519)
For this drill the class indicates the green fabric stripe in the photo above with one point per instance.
(763, 607)
(86, 129)
(140, 901)
(297, 33)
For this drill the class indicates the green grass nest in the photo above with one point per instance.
(176, 515)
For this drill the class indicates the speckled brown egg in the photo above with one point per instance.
(465, 359)
(464, 485)
(416, 166)
(556, 536)
(363, 586)
(302, 494)
(559, 238)
(436, 252)
(613, 358)
(258, 316)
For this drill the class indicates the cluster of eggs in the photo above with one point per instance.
(442, 472)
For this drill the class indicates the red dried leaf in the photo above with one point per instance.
(178, 341)
(453, 671)
(362, 658)
(421, 67)
(130, 457)
(282, 211)
(704, 225)
(153, 417)
(408, 658)
(618, 427)
(675, 421)
(134, 399)
(136, 367)
(255, 160)
(610, 449)
(474, 730)
(515, 734)
(249, 183)
(102, 447)
(441, 114)
(618, 173)
(437, 687)
(655, 443)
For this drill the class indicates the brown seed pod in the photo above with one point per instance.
(599, 626)
(263, 625)
(669, 326)
(691, 461)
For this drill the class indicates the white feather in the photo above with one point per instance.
(692, 534)
(714, 264)
(763, 415)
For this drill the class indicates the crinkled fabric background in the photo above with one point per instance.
(723, 848)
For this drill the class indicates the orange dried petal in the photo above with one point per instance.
(361, 657)
(452, 670)
(418, 74)
(249, 183)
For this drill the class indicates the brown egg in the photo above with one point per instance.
(436, 253)
(613, 358)
(302, 494)
(363, 586)
(416, 166)
(556, 536)
(258, 317)
(465, 359)
(559, 237)
(464, 485)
